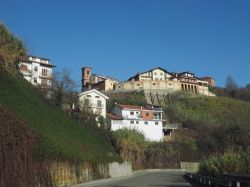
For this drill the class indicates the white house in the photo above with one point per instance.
(95, 100)
(147, 120)
(37, 70)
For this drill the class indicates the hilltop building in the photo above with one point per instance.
(154, 81)
(93, 81)
(147, 120)
(159, 79)
(37, 70)
(94, 100)
(210, 80)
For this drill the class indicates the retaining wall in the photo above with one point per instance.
(191, 167)
(67, 174)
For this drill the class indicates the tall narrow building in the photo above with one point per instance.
(86, 73)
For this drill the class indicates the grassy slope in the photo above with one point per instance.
(59, 137)
(214, 111)
(132, 98)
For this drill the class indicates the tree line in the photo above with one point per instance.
(232, 90)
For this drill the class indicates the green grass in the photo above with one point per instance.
(213, 111)
(131, 98)
(231, 162)
(59, 137)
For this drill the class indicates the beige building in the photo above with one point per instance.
(160, 79)
(93, 81)
(152, 75)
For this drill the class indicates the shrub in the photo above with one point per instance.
(132, 146)
(229, 162)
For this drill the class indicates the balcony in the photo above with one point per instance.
(132, 117)
(48, 75)
(26, 72)
(171, 126)
(98, 113)
(157, 118)
(97, 105)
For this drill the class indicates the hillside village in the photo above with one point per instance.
(147, 119)
(113, 128)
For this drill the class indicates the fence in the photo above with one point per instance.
(222, 181)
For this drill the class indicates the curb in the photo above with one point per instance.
(135, 173)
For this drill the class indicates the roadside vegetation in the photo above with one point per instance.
(228, 162)
(131, 145)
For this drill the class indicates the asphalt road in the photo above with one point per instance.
(154, 179)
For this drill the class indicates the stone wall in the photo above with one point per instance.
(120, 169)
(191, 167)
(66, 173)
(163, 86)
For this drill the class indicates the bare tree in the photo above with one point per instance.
(64, 89)
(230, 83)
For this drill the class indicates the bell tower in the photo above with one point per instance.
(86, 73)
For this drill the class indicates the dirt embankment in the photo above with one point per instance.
(17, 159)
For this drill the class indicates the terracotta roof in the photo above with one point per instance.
(206, 77)
(131, 107)
(114, 117)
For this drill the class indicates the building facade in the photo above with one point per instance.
(210, 80)
(37, 70)
(93, 100)
(147, 120)
(160, 79)
(93, 81)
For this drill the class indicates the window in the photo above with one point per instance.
(44, 72)
(145, 122)
(132, 122)
(86, 102)
(153, 83)
(88, 95)
(35, 68)
(160, 73)
(87, 72)
(137, 122)
(138, 85)
(44, 82)
(131, 113)
(98, 111)
(155, 73)
(147, 114)
(99, 103)
(35, 79)
(156, 123)
(97, 97)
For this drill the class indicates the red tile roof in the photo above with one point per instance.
(114, 117)
(134, 107)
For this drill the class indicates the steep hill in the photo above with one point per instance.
(59, 137)
(213, 111)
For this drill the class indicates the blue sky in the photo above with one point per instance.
(122, 37)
